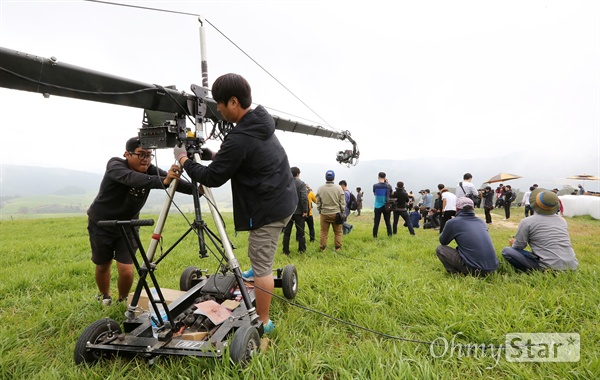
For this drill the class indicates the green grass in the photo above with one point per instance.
(396, 287)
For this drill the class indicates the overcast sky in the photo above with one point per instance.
(407, 78)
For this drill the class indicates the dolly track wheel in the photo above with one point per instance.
(189, 275)
(97, 333)
(289, 281)
(244, 345)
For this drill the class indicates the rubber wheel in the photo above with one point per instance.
(96, 333)
(188, 276)
(245, 343)
(289, 281)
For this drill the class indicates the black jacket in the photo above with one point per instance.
(252, 157)
(401, 198)
(302, 207)
(123, 191)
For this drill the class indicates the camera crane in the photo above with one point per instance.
(164, 125)
(165, 108)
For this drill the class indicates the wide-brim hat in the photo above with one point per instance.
(544, 201)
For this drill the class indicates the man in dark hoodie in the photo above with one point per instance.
(123, 192)
(263, 189)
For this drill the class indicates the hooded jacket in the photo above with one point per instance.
(262, 185)
(123, 191)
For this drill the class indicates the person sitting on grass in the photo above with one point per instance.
(547, 236)
(431, 220)
(475, 254)
(415, 216)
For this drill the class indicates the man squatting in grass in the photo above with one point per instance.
(475, 253)
(547, 236)
(262, 186)
(123, 192)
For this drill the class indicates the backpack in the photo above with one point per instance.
(513, 197)
(352, 205)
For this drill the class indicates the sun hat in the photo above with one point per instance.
(544, 201)
(463, 202)
(330, 175)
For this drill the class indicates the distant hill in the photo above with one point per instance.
(62, 189)
(27, 181)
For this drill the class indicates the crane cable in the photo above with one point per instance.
(224, 36)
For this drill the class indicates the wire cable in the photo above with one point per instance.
(385, 335)
(227, 38)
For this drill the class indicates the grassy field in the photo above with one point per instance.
(379, 309)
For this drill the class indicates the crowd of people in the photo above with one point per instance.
(270, 199)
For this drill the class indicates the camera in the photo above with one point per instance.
(162, 130)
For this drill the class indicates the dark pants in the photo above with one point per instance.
(404, 215)
(528, 210)
(521, 259)
(310, 222)
(488, 214)
(446, 216)
(298, 220)
(507, 210)
(386, 218)
(454, 263)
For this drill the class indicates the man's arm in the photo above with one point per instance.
(447, 234)
(521, 238)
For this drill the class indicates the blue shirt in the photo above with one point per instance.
(382, 192)
(475, 245)
(414, 218)
(427, 200)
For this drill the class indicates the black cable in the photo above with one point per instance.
(389, 336)
(35, 81)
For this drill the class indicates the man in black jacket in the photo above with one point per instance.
(298, 218)
(123, 192)
(263, 189)
(400, 210)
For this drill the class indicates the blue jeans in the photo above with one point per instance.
(386, 218)
(521, 259)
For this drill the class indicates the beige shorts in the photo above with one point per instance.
(262, 245)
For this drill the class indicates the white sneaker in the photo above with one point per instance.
(106, 300)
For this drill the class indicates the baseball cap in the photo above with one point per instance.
(463, 202)
(330, 175)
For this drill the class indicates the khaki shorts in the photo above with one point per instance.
(262, 245)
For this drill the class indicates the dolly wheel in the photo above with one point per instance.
(245, 343)
(289, 281)
(188, 276)
(96, 333)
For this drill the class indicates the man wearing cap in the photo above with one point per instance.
(475, 254)
(123, 192)
(330, 201)
(547, 236)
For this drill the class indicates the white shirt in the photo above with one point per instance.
(525, 199)
(450, 201)
(469, 189)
